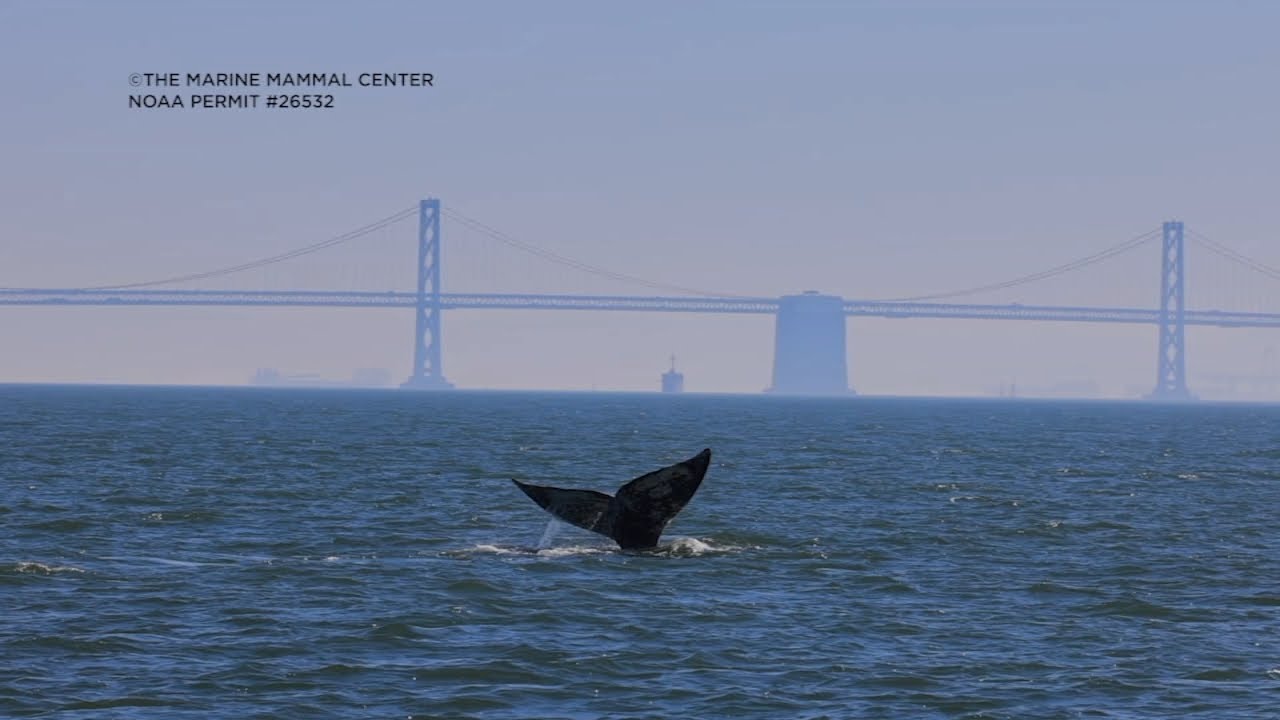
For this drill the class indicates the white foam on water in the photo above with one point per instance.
(552, 552)
(677, 547)
(573, 550)
(695, 547)
(38, 567)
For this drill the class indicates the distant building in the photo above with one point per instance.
(361, 378)
(371, 377)
(672, 381)
(266, 376)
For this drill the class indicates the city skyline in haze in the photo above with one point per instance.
(866, 149)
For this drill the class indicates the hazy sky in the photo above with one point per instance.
(868, 149)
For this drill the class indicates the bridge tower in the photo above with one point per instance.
(1171, 358)
(428, 370)
(809, 346)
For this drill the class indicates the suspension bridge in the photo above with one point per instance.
(810, 327)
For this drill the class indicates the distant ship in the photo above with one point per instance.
(672, 381)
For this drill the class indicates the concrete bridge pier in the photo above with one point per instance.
(809, 346)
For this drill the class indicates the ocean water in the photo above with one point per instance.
(211, 553)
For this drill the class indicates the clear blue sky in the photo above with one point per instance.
(872, 149)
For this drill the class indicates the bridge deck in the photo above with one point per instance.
(477, 301)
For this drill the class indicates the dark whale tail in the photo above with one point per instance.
(636, 516)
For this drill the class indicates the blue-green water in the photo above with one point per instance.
(178, 552)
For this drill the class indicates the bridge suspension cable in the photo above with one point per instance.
(1086, 261)
(297, 252)
(1238, 257)
(559, 259)
(404, 214)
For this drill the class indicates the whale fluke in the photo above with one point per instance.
(636, 516)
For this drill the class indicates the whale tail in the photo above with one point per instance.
(636, 516)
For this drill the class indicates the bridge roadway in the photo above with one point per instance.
(740, 305)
